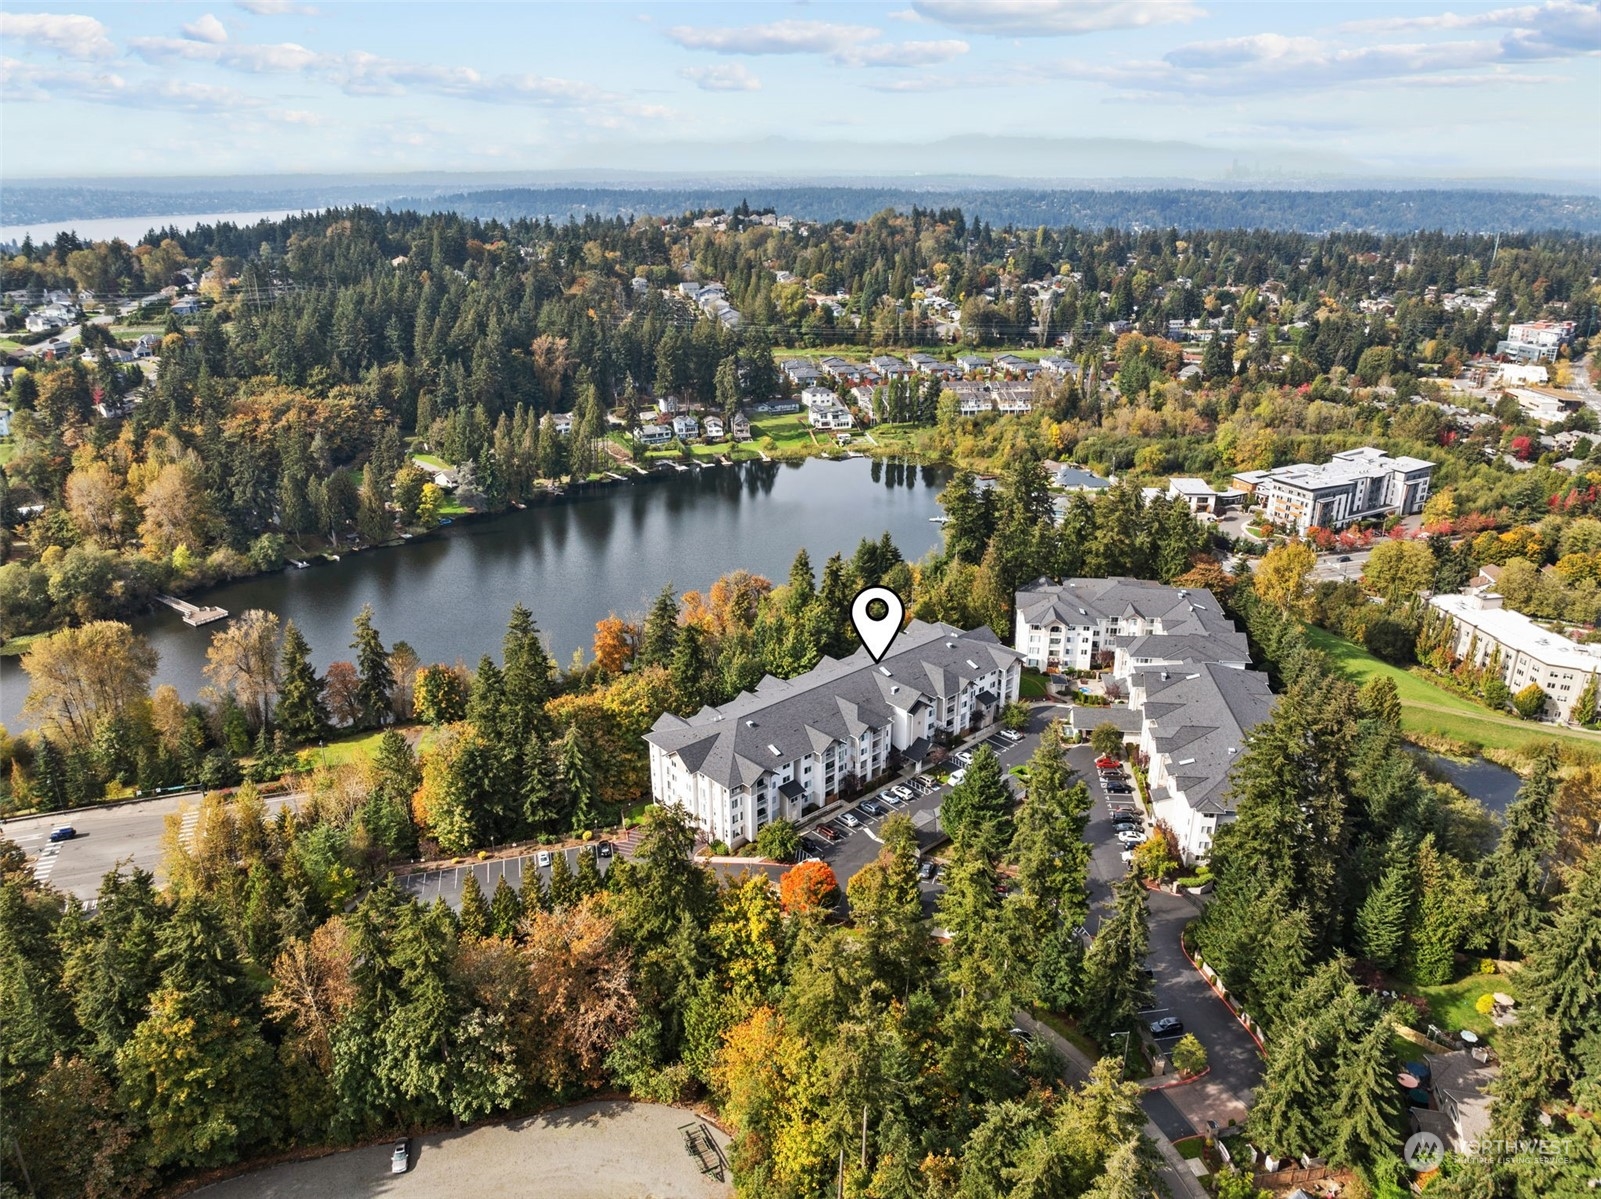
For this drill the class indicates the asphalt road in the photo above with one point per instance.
(1179, 990)
(123, 833)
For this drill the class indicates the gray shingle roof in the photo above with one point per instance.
(1074, 600)
(1200, 713)
(783, 719)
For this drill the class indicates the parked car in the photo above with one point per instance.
(1108, 763)
(965, 757)
(399, 1159)
(544, 857)
(1129, 836)
(827, 832)
(902, 793)
(1119, 789)
(850, 820)
(65, 833)
(1127, 855)
(604, 849)
(1167, 1026)
(1128, 820)
(1021, 1034)
(871, 808)
(1012, 735)
(956, 777)
(926, 871)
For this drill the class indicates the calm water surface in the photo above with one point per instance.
(570, 563)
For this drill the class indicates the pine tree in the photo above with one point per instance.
(533, 896)
(1514, 874)
(689, 670)
(1365, 1110)
(1449, 908)
(1115, 985)
(505, 910)
(1563, 977)
(1282, 1119)
(300, 712)
(590, 879)
(563, 886)
(377, 679)
(1382, 920)
(660, 633)
(576, 775)
(473, 915)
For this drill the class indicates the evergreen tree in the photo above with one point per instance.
(590, 880)
(1284, 1118)
(974, 813)
(1115, 984)
(576, 775)
(533, 895)
(474, 916)
(300, 713)
(660, 634)
(505, 910)
(1382, 920)
(564, 891)
(690, 670)
(1365, 1109)
(1563, 977)
(1584, 707)
(1514, 874)
(376, 679)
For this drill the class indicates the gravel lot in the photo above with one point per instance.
(605, 1150)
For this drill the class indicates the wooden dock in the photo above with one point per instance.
(193, 614)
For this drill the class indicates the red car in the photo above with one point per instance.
(1107, 763)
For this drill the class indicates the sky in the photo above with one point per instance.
(1450, 90)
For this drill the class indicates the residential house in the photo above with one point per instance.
(147, 345)
(792, 746)
(1059, 364)
(562, 422)
(667, 405)
(712, 426)
(830, 416)
(651, 435)
(1354, 485)
(1459, 1111)
(1012, 365)
(973, 364)
(780, 405)
(5, 422)
(1478, 625)
(1076, 478)
(862, 397)
(187, 306)
(38, 322)
(890, 367)
(818, 397)
(740, 427)
(685, 426)
(1012, 398)
(801, 372)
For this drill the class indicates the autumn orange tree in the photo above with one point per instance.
(808, 887)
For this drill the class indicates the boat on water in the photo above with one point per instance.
(939, 520)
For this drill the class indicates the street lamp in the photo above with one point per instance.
(1127, 1035)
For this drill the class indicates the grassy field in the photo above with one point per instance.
(1031, 686)
(1432, 710)
(788, 432)
(1451, 1005)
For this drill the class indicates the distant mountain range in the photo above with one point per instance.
(1089, 182)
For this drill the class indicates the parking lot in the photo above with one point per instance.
(854, 847)
(447, 881)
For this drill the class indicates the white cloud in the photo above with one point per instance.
(1557, 29)
(778, 37)
(847, 45)
(31, 82)
(1055, 18)
(730, 78)
(206, 29)
(277, 8)
(252, 57)
(69, 35)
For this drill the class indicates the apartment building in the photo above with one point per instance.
(1354, 485)
(790, 746)
(1536, 341)
(1529, 654)
(1074, 624)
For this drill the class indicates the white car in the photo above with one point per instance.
(964, 757)
(399, 1158)
(544, 857)
(849, 820)
(957, 776)
(1127, 855)
(1130, 837)
(1013, 737)
(902, 793)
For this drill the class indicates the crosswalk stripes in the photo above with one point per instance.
(46, 863)
(186, 829)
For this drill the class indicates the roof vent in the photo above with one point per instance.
(750, 724)
(895, 689)
(774, 750)
(972, 665)
(1186, 762)
(884, 670)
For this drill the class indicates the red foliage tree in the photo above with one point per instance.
(809, 886)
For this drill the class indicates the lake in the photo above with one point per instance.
(570, 562)
(131, 228)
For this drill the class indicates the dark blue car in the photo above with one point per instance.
(65, 833)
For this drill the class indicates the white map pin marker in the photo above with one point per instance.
(877, 632)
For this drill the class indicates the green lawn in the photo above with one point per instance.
(431, 460)
(1451, 1005)
(1031, 686)
(1431, 710)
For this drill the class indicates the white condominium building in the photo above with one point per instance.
(1529, 653)
(1067, 625)
(1353, 485)
(792, 745)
